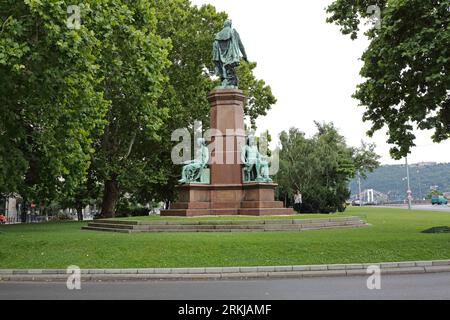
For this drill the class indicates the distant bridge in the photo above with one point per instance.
(370, 196)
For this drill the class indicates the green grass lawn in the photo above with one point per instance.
(395, 235)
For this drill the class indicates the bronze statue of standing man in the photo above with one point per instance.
(227, 51)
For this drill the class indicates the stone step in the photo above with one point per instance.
(201, 227)
(224, 225)
(112, 226)
(107, 229)
(179, 230)
(115, 222)
(230, 222)
(222, 222)
(205, 230)
(240, 222)
(130, 224)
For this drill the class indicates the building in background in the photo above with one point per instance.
(9, 208)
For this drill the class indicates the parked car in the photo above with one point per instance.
(439, 200)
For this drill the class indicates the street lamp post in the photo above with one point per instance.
(359, 186)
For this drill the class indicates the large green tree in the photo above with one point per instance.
(132, 61)
(191, 30)
(49, 103)
(76, 98)
(320, 168)
(95, 107)
(406, 66)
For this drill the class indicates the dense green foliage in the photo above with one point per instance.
(91, 108)
(394, 235)
(389, 179)
(191, 30)
(406, 67)
(320, 168)
(49, 103)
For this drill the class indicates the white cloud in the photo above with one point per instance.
(313, 70)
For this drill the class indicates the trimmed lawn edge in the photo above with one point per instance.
(394, 235)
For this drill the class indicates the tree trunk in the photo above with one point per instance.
(110, 198)
(23, 212)
(80, 211)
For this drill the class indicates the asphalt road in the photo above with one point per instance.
(424, 207)
(425, 286)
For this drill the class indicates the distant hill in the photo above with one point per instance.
(389, 179)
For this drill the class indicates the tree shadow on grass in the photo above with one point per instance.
(443, 229)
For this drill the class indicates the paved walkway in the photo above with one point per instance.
(422, 207)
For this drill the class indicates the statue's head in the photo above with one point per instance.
(228, 23)
(251, 139)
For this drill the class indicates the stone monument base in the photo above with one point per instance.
(225, 194)
(253, 199)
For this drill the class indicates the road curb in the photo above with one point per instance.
(227, 273)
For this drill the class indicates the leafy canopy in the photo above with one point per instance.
(406, 67)
(49, 103)
(320, 168)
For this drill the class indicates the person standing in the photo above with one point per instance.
(298, 201)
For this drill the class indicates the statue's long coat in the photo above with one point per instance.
(227, 47)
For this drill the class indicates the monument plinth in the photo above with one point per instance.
(228, 134)
(227, 194)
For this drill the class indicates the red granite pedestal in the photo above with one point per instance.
(227, 195)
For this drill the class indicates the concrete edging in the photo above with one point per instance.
(227, 273)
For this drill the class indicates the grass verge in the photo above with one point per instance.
(394, 235)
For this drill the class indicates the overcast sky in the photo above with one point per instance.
(313, 71)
